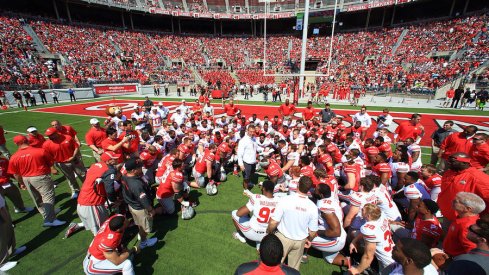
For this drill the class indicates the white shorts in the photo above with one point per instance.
(199, 178)
(92, 216)
(245, 228)
(329, 247)
(93, 266)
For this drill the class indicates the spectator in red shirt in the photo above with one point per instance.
(114, 144)
(286, 110)
(309, 112)
(468, 206)
(479, 152)
(410, 129)
(460, 177)
(449, 97)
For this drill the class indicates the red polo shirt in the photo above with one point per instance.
(479, 155)
(106, 240)
(88, 196)
(95, 136)
(468, 180)
(108, 142)
(67, 130)
(287, 110)
(230, 110)
(456, 242)
(455, 143)
(407, 130)
(308, 113)
(61, 149)
(30, 162)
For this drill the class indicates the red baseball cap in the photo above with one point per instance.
(50, 131)
(108, 155)
(20, 139)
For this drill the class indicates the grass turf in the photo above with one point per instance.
(203, 245)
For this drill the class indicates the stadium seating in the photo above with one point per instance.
(363, 58)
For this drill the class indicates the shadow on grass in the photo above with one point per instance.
(146, 259)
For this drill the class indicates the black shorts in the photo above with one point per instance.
(249, 171)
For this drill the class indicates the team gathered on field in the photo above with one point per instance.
(366, 202)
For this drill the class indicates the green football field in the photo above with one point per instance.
(203, 245)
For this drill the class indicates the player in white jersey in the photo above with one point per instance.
(377, 237)
(331, 235)
(262, 206)
(399, 164)
(414, 151)
(384, 200)
(358, 200)
(139, 119)
(155, 119)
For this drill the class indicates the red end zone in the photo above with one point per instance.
(431, 122)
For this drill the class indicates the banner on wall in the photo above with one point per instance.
(115, 89)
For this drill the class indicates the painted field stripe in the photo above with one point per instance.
(66, 113)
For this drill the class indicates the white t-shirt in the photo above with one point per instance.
(331, 206)
(379, 232)
(262, 208)
(364, 119)
(297, 215)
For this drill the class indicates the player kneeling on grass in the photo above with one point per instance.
(204, 166)
(262, 206)
(173, 188)
(331, 235)
(105, 255)
(97, 190)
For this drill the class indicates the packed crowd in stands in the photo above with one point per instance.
(364, 200)
(255, 77)
(220, 79)
(20, 65)
(366, 59)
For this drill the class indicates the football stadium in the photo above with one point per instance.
(244, 137)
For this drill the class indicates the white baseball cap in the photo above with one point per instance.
(31, 129)
(136, 107)
(160, 104)
(94, 121)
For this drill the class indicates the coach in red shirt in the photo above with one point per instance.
(467, 206)
(66, 130)
(230, 109)
(309, 112)
(31, 166)
(410, 129)
(64, 150)
(287, 110)
(94, 138)
(479, 152)
(460, 177)
(456, 142)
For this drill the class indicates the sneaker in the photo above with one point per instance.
(74, 196)
(148, 243)
(54, 223)
(214, 189)
(7, 266)
(304, 259)
(238, 237)
(57, 210)
(72, 228)
(25, 210)
(19, 250)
